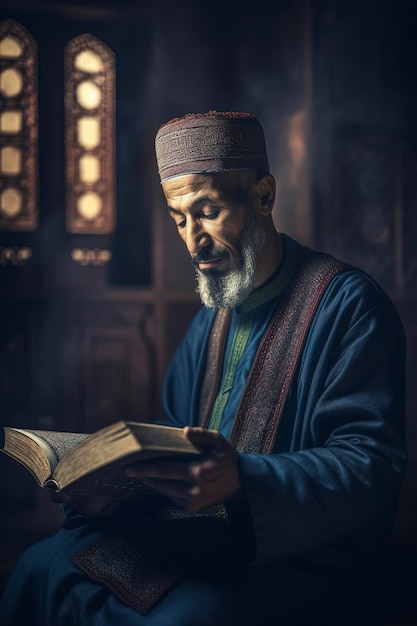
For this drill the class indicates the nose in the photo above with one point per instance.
(195, 237)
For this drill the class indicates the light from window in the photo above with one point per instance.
(90, 136)
(11, 122)
(18, 128)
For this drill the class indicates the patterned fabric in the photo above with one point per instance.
(210, 142)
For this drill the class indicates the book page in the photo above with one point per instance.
(59, 442)
(38, 450)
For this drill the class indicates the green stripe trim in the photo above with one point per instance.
(239, 342)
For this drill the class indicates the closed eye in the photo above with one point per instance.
(211, 215)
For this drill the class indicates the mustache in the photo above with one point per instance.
(209, 255)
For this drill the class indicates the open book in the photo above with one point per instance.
(82, 464)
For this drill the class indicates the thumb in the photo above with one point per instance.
(205, 439)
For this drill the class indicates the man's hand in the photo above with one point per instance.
(198, 483)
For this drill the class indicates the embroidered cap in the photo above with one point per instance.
(216, 141)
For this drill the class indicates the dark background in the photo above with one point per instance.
(335, 87)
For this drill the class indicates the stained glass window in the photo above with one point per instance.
(90, 136)
(18, 128)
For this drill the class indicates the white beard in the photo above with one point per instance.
(228, 290)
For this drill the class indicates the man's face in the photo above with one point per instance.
(214, 218)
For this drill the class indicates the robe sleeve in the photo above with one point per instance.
(348, 452)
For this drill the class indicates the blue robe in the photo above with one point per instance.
(318, 511)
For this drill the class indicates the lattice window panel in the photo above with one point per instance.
(18, 128)
(90, 136)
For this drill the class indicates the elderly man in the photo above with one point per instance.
(291, 379)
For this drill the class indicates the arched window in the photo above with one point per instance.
(90, 136)
(18, 128)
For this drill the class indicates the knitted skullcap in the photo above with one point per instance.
(216, 141)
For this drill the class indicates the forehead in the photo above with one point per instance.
(189, 188)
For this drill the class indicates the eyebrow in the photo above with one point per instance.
(196, 204)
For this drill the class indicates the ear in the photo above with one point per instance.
(265, 191)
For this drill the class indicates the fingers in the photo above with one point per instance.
(189, 497)
(173, 489)
(184, 471)
(194, 484)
